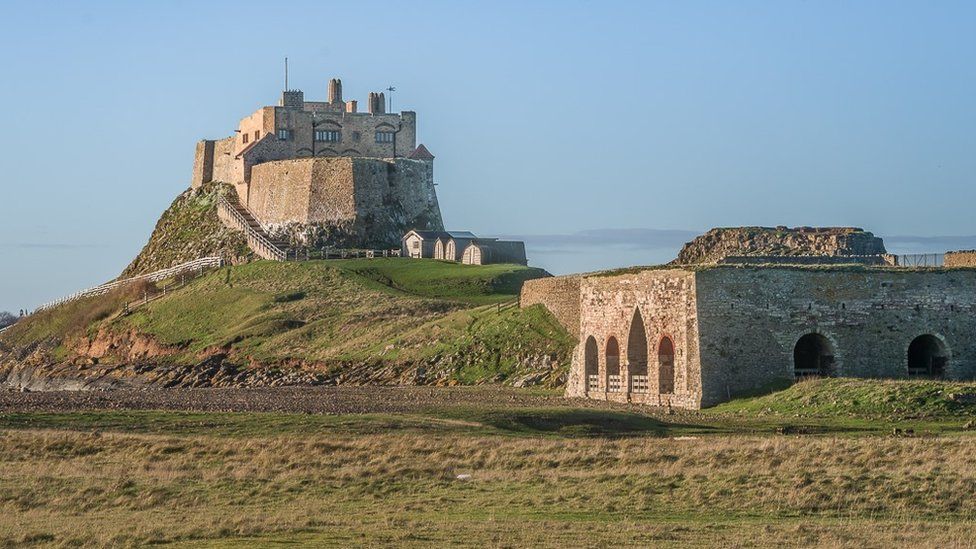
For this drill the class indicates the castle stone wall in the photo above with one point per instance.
(960, 259)
(750, 320)
(280, 192)
(362, 202)
(560, 295)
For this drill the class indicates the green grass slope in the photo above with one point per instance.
(388, 320)
(187, 230)
(862, 398)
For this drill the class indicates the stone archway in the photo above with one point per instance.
(591, 365)
(665, 365)
(613, 365)
(927, 357)
(637, 354)
(813, 355)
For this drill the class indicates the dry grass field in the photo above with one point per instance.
(501, 475)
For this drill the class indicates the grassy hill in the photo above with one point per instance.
(343, 321)
(187, 230)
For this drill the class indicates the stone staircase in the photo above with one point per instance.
(236, 216)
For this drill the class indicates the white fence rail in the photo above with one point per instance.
(189, 266)
(921, 260)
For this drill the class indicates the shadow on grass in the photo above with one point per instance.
(583, 423)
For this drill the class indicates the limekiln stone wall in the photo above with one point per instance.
(751, 318)
(735, 328)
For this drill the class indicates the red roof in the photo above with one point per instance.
(421, 153)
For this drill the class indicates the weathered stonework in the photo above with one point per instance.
(559, 294)
(737, 330)
(356, 202)
(966, 258)
(321, 174)
(717, 244)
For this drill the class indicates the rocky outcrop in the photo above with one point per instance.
(187, 230)
(717, 244)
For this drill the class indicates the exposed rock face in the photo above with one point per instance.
(189, 229)
(717, 244)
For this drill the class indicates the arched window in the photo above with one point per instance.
(591, 369)
(927, 357)
(813, 356)
(665, 361)
(613, 365)
(637, 354)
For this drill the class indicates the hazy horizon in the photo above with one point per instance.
(634, 124)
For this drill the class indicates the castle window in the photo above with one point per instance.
(284, 135)
(329, 136)
(257, 134)
(384, 137)
(356, 136)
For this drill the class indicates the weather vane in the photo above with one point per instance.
(391, 89)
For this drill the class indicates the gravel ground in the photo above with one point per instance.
(313, 400)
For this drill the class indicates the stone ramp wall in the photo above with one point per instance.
(560, 295)
(965, 258)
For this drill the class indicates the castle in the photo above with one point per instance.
(312, 169)
(729, 320)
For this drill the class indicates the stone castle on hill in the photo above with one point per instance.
(325, 173)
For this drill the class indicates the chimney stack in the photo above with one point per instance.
(335, 91)
(375, 104)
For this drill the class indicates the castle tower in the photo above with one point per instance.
(335, 91)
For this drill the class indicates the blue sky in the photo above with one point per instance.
(636, 124)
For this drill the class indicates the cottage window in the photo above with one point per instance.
(257, 134)
(284, 135)
(416, 244)
(330, 136)
(244, 138)
(384, 137)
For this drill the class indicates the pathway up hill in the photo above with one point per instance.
(375, 321)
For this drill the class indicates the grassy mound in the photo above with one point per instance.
(867, 398)
(387, 320)
(187, 230)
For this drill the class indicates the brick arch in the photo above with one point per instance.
(591, 365)
(637, 353)
(352, 151)
(612, 363)
(928, 355)
(328, 151)
(665, 365)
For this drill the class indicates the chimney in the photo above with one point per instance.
(352, 106)
(335, 91)
(372, 102)
(381, 100)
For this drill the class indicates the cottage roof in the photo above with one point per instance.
(421, 153)
(461, 234)
(427, 235)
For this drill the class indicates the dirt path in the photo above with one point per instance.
(315, 400)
